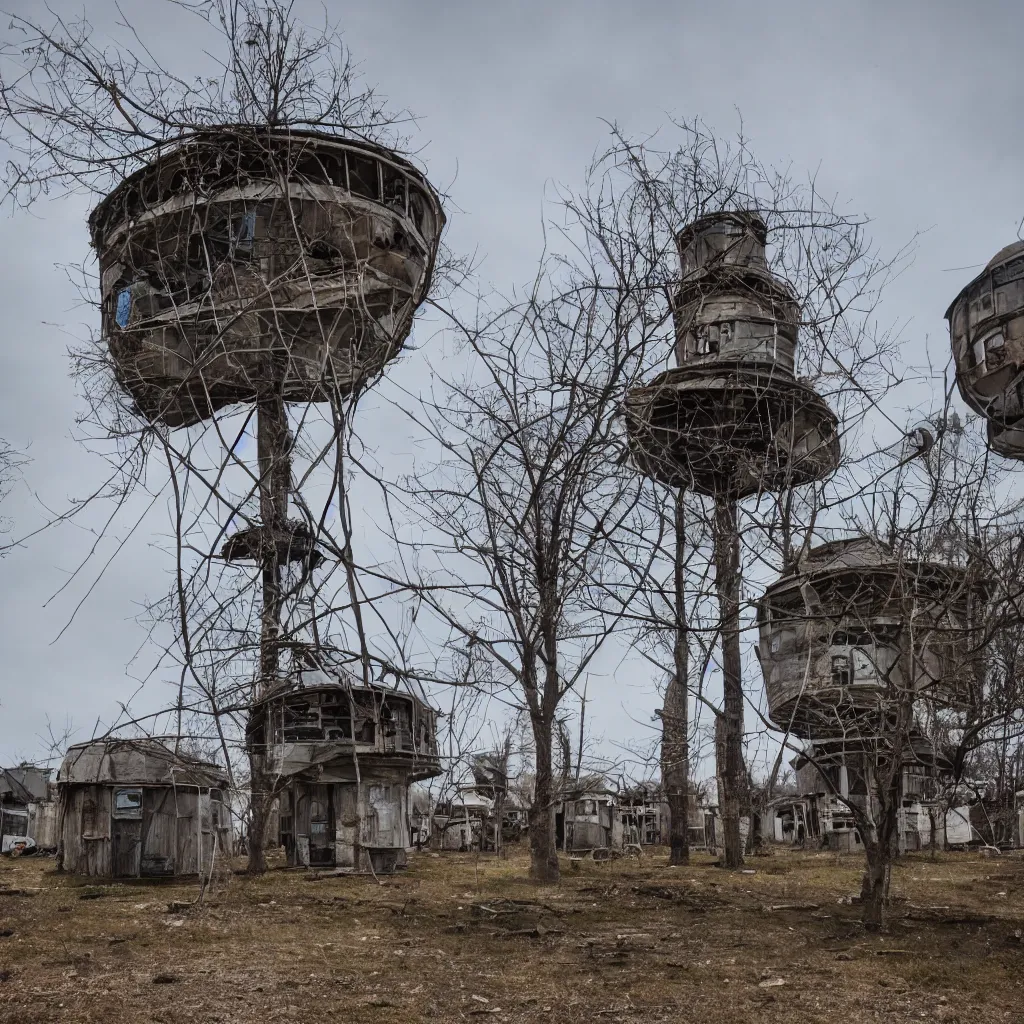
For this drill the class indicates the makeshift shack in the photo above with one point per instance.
(644, 813)
(28, 809)
(343, 755)
(466, 822)
(587, 817)
(821, 816)
(134, 808)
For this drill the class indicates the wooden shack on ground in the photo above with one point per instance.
(465, 823)
(28, 809)
(134, 808)
(343, 756)
(587, 817)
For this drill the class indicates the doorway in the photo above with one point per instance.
(321, 826)
(126, 833)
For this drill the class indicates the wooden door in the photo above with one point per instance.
(159, 833)
(346, 810)
(321, 826)
(126, 839)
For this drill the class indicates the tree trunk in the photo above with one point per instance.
(675, 760)
(727, 582)
(880, 851)
(275, 483)
(543, 854)
(874, 891)
(272, 444)
(259, 813)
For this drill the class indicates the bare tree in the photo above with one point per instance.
(744, 461)
(252, 290)
(523, 503)
(877, 648)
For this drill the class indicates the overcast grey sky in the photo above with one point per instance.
(908, 110)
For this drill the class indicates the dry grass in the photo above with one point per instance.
(614, 942)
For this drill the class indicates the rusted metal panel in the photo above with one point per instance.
(383, 821)
(43, 824)
(346, 816)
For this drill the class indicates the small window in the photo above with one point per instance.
(1018, 393)
(245, 230)
(394, 190)
(840, 670)
(863, 667)
(123, 310)
(978, 353)
(127, 803)
(322, 249)
(705, 341)
(418, 210)
(364, 176)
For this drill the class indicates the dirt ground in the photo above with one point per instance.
(458, 937)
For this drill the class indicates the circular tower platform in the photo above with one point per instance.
(986, 327)
(293, 541)
(737, 430)
(831, 630)
(242, 262)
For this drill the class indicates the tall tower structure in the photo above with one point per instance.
(850, 638)
(986, 327)
(260, 266)
(728, 421)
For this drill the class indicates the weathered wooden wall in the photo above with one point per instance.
(175, 835)
(371, 814)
